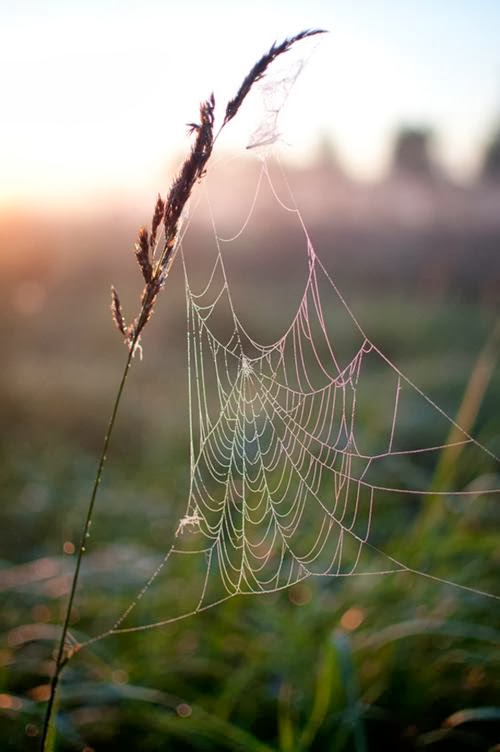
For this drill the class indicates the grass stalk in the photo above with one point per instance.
(155, 259)
(61, 658)
(470, 405)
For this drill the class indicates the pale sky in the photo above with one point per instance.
(96, 93)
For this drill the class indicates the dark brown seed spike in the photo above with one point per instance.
(156, 221)
(116, 311)
(260, 68)
(179, 193)
(170, 210)
(191, 170)
(142, 254)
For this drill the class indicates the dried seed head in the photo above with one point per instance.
(142, 254)
(170, 210)
(259, 69)
(191, 171)
(116, 312)
(155, 222)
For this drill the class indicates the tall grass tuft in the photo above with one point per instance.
(155, 251)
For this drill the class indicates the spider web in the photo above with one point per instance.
(285, 481)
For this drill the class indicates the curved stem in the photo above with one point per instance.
(61, 660)
(192, 170)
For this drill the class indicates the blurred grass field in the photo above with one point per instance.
(394, 662)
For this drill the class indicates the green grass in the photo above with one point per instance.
(276, 672)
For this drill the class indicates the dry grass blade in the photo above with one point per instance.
(260, 68)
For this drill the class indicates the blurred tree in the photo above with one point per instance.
(326, 157)
(491, 160)
(412, 153)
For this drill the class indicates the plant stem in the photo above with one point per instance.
(61, 660)
(192, 171)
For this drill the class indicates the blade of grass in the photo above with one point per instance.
(473, 715)
(466, 417)
(417, 627)
(353, 721)
(286, 731)
(326, 677)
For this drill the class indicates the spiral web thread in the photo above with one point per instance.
(280, 486)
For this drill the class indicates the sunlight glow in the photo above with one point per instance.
(97, 94)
